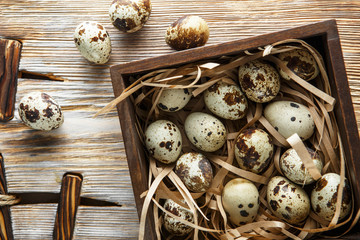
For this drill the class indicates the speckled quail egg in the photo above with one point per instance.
(129, 15)
(226, 101)
(40, 111)
(172, 100)
(206, 132)
(93, 42)
(324, 197)
(300, 62)
(174, 226)
(289, 117)
(240, 199)
(195, 170)
(253, 150)
(287, 201)
(294, 169)
(259, 80)
(163, 141)
(187, 32)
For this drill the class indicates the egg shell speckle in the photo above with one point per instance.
(187, 32)
(259, 81)
(40, 111)
(129, 15)
(174, 226)
(254, 150)
(163, 141)
(226, 101)
(173, 100)
(289, 117)
(324, 197)
(294, 169)
(287, 201)
(300, 62)
(93, 42)
(194, 169)
(240, 199)
(206, 132)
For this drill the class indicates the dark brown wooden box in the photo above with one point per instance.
(323, 36)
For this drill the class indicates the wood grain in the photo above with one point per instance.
(67, 208)
(10, 51)
(36, 161)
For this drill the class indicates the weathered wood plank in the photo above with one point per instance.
(36, 161)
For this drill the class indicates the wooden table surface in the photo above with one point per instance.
(35, 161)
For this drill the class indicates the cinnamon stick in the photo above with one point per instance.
(6, 232)
(10, 51)
(67, 207)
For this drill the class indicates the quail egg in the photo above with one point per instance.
(93, 42)
(129, 15)
(289, 117)
(253, 150)
(293, 167)
(324, 197)
(226, 101)
(173, 225)
(287, 200)
(259, 81)
(187, 32)
(300, 62)
(40, 111)
(206, 132)
(240, 199)
(194, 169)
(163, 141)
(172, 100)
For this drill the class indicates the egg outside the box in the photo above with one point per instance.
(129, 15)
(259, 81)
(300, 62)
(163, 141)
(173, 100)
(195, 170)
(226, 101)
(289, 117)
(205, 132)
(294, 169)
(240, 199)
(287, 201)
(324, 197)
(187, 32)
(93, 42)
(173, 225)
(40, 111)
(254, 150)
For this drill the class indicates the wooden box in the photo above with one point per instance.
(323, 36)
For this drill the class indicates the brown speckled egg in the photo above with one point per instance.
(324, 197)
(194, 169)
(93, 42)
(300, 62)
(173, 100)
(174, 226)
(163, 141)
(290, 117)
(187, 32)
(40, 111)
(253, 150)
(129, 15)
(240, 199)
(206, 132)
(294, 169)
(259, 80)
(226, 101)
(287, 201)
